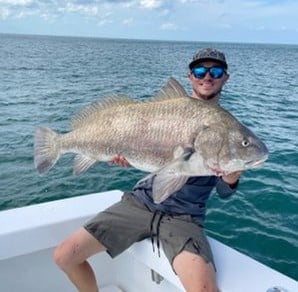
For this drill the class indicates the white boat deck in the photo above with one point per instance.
(29, 234)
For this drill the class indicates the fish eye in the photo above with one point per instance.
(245, 143)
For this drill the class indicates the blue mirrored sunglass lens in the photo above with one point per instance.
(216, 72)
(199, 72)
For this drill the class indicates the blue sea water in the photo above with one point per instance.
(46, 80)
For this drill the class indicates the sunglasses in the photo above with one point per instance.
(215, 72)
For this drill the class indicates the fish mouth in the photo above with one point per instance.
(243, 165)
(254, 163)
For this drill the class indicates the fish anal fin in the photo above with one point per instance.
(82, 163)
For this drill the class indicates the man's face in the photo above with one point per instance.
(207, 87)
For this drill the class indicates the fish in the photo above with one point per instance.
(171, 136)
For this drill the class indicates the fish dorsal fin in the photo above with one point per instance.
(90, 112)
(172, 89)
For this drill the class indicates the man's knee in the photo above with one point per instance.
(76, 249)
(195, 273)
(61, 256)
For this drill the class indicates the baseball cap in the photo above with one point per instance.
(208, 54)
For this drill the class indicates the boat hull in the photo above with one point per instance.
(28, 236)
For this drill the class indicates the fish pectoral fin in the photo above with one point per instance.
(165, 184)
(173, 176)
(82, 163)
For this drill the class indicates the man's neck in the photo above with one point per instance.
(212, 100)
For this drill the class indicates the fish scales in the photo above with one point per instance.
(139, 126)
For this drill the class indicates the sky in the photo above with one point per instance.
(242, 21)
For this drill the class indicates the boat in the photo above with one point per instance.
(29, 234)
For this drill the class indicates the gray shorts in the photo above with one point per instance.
(129, 221)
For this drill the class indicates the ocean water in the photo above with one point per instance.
(46, 80)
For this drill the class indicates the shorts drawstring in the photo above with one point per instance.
(161, 214)
(151, 229)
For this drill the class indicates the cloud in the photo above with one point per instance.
(4, 13)
(168, 26)
(84, 7)
(24, 8)
(104, 22)
(90, 10)
(127, 21)
(151, 4)
(16, 2)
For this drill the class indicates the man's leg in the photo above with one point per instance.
(71, 256)
(195, 274)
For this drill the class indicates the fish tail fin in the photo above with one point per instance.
(46, 150)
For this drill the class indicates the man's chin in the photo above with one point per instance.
(209, 96)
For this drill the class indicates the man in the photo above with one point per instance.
(177, 222)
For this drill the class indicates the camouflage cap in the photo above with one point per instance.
(206, 55)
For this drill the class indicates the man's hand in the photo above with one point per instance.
(119, 160)
(232, 178)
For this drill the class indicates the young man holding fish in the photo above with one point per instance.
(177, 222)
